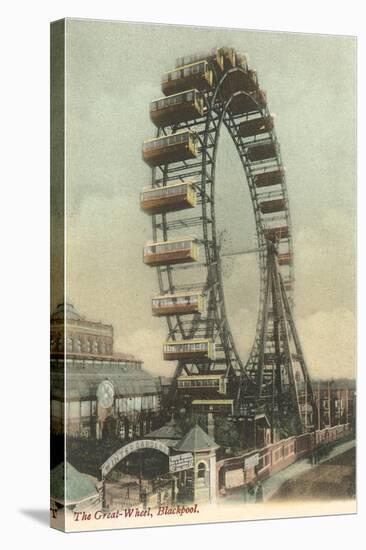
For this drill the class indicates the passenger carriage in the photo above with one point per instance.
(216, 56)
(197, 76)
(239, 80)
(230, 57)
(255, 126)
(267, 179)
(218, 406)
(172, 148)
(285, 258)
(183, 250)
(197, 384)
(273, 205)
(170, 198)
(178, 304)
(262, 151)
(197, 349)
(180, 107)
(276, 233)
(248, 103)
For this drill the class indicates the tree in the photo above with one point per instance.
(226, 434)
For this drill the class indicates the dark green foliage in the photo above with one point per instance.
(227, 434)
(187, 420)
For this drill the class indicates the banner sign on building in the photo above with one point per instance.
(181, 462)
(131, 448)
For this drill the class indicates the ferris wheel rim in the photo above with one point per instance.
(226, 120)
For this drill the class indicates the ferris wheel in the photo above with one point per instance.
(203, 94)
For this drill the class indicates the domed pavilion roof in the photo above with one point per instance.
(67, 310)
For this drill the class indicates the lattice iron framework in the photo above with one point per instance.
(268, 379)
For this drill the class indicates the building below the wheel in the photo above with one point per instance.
(97, 393)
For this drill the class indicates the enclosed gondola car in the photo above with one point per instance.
(199, 349)
(216, 57)
(255, 126)
(178, 304)
(230, 57)
(285, 258)
(172, 148)
(276, 233)
(249, 102)
(205, 384)
(271, 206)
(170, 198)
(262, 151)
(177, 251)
(239, 80)
(197, 76)
(267, 179)
(218, 406)
(180, 107)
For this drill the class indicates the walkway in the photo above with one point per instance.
(272, 484)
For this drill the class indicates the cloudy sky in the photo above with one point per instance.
(113, 72)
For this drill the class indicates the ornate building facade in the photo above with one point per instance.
(95, 392)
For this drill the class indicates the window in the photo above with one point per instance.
(201, 473)
(130, 404)
(74, 409)
(85, 408)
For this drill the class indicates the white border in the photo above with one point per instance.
(25, 222)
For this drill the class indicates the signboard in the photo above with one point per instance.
(181, 462)
(251, 461)
(131, 448)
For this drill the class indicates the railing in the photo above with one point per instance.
(276, 456)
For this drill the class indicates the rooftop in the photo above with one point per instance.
(69, 310)
(196, 440)
(82, 383)
(170, 431)
(78, 486)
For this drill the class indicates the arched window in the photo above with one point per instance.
(69, 344)
(96, 346)
(201, 473)
(78, 345)
(88, 346)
